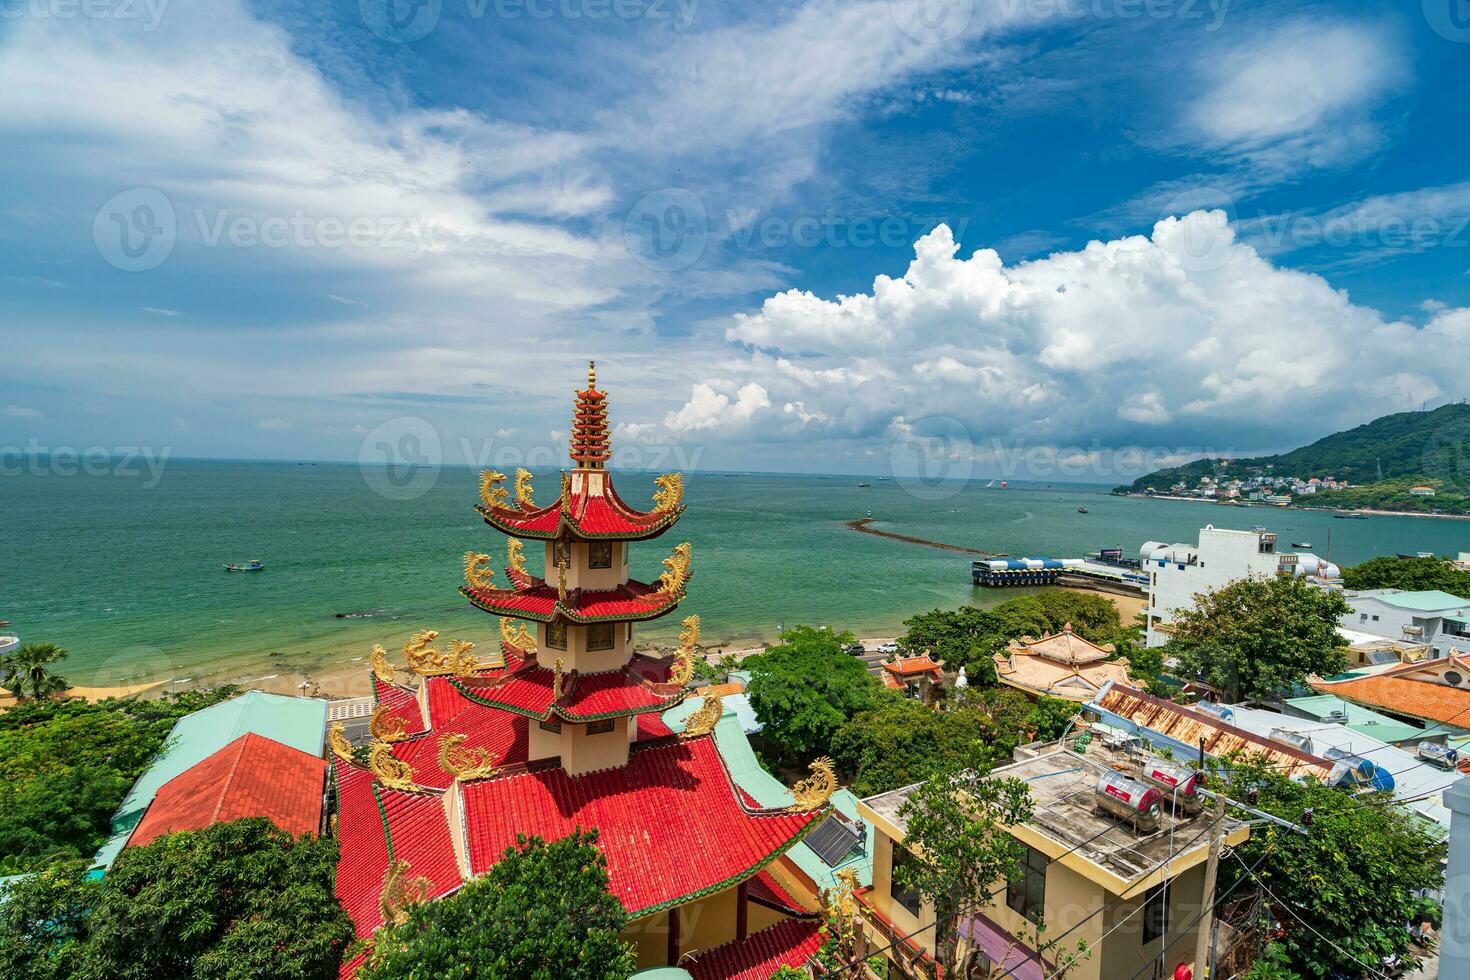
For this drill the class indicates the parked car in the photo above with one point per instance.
(856, 649)
(888, 648)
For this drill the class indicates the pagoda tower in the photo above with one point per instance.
(563, 731)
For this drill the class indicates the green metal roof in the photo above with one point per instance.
(1430, 600)
(1360, 719)
(298, 722)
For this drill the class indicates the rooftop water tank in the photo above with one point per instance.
(1178, 783)
(1127, 799)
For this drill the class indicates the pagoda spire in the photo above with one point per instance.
(589, 442)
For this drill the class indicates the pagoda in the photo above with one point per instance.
(561, 730)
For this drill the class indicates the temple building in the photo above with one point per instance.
(1062, 665)
(562, 730)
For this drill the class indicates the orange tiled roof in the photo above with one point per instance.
(913, 665)
(1417, 699)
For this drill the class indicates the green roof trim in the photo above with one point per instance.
(1362, 720)
(298, 722)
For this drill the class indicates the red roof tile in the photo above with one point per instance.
(1417, 699)
(538, 602)
(788, 943)
(765, 889)
(253, 776)
(912, 665)
(669, 822)
(602, 516)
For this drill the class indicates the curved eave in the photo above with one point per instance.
(509, 602)
(565, 712)
(519, 524)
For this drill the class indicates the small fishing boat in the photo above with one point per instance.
(865, 484)
(253, 565)
(1301, 544)
(1350, 517)
(1259, 529)
(1081, 510)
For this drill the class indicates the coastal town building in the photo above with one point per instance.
(1177, 571)
(1433, 619)
(1061, 665)
(1434, 694)
(563, 729)
(1126, 897)
(298, 724)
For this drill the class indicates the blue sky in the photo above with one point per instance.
(809, 236)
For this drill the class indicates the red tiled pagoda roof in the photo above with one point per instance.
(787, 943)
(402, 704)
(669, 822)
(634, 601)
(767, 891)
(253, 776)
(641, 686)
(603, 516)
(912, 665)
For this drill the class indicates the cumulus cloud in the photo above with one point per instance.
(21, 412)
(1186, 336)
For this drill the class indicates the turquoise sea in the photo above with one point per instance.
(128, 575)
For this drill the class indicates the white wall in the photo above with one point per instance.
(1221, 557)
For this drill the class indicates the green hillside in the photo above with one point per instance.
(1399, 450)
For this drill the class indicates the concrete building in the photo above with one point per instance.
(1177, 571)
(1432, 618)
(1130, 896)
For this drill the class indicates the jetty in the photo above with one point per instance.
(863, 525)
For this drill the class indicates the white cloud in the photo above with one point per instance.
(160, 311)
(273, 425)
(21, 412)
(1187, 336)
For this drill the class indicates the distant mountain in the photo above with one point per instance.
(1432, 448)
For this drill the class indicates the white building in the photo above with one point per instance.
(1177, 571)
(1436, 619)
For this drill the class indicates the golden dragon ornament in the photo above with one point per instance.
(462, 763)
(670, 493)
(524, 491)
(676, 573)
(477, 571)
(390, 770)
(816, 789)
(703, 721)
(492, 489)
(386, 728)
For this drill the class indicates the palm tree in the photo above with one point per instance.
(26, 675)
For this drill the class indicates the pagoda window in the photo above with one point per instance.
(600, 727)
(600, 636)
(552, 725)
(600, 554)
(556, 635)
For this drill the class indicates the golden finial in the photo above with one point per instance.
(477, 570)
(816, 789)
(670, 494)
(399, 893)
(520, 637)
(386, 728)
(515, 555)
(464, 764)
(703, 721)
(556, 679)
(673, 580)
(390, 770)
(383, 670)
(682, 670)
(337, 739)
(523, 490)
(591, 375)
(492, 489)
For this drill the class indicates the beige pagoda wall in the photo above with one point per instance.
(576, 656)
(703, 925)
(580, 574)
(542, 744)
(581, 753)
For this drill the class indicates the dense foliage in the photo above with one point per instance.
(27, 671)
(65, 766)
(1256, 637)
(901, 741)
(805, 689)
(1410, 574)
(236, 900)
(1418, 446)
(958, 848)
(543, 912)
(971, 637)
(1395, 495)
(1351, 879)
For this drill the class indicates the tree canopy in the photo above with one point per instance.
(806, 688)
(27, 672)
(970, 637)
(235, 900)
(1410, 574)
(65, 766)
(542, 912)
(1256, 637)
(1352, 878)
